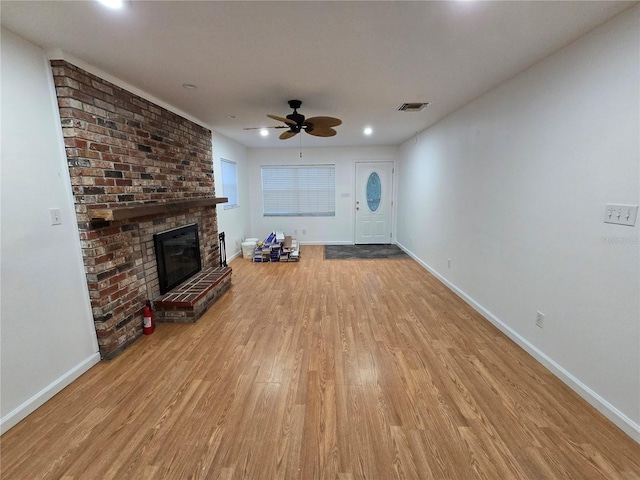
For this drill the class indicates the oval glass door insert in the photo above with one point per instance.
(374, 192)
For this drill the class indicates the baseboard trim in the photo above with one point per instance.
(29, 406)
(234, 255)
(338, 242)
(622, 421)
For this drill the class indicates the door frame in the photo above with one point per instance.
(392, 208)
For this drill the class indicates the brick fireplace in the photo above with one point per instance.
(136, 169)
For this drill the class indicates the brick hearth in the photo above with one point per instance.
(187, 302)
(125, 151)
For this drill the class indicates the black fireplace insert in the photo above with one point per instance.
(177, 256)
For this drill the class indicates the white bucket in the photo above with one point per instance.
(248, 248)
(254, 240)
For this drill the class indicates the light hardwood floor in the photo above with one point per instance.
(331, 369)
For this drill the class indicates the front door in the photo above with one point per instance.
(374, 197)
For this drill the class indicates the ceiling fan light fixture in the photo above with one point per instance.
(367, 131)
(412, 106)
(264, 132)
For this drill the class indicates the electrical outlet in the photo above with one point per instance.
(448, 263)
(621, 214)
(304, 231)
(540, 319)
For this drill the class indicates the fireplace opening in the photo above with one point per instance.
(177, 256)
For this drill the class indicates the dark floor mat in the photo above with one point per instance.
(347, 252)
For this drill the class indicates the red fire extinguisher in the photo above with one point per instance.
(148, 323)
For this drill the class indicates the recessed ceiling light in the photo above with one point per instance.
(264, 132)
(368, 131)
(112, 3)
(189, 86)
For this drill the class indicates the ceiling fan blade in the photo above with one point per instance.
(287, 134)
(321, 122)
(282, 119)
(322, 132)
(260, 128)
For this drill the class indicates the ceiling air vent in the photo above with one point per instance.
(412, 107)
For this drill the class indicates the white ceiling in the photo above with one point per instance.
(355, 60)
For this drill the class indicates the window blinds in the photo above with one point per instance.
(229, 182)
(301, 190)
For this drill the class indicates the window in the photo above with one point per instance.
(299, 190)
(229, 182)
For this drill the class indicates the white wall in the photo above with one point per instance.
(512, 188)
(234, 222)
(319, 230)
(48, 338)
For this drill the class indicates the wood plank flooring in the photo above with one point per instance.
(322, 369)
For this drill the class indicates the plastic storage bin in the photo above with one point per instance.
(247, 249)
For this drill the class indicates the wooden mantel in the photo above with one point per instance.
(144, 209)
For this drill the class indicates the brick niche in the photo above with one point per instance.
(123, 150)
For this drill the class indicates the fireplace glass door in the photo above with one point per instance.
(177, 256)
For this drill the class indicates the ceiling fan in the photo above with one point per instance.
(296, 122)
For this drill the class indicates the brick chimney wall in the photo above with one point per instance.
(123, 150)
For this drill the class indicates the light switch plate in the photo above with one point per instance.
(621, 214)
(54, 214)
